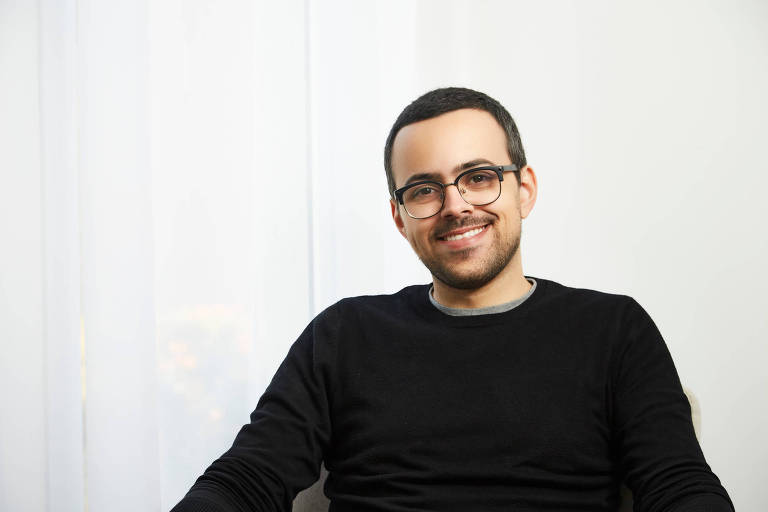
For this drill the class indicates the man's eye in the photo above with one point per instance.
(423, 192)
(478, 180)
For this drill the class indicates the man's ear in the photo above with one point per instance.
(397, 218)
(529, 188)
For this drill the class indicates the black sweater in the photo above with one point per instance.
(548, 406)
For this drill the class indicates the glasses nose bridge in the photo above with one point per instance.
(446, 201)
(458, 189)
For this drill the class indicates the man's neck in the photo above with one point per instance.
(509, 285)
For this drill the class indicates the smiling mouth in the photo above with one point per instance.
(466, 234)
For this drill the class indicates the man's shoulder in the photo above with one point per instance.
(586, 310)
(404, 299)
(561, 295)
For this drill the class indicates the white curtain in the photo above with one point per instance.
(176, 236)
(185, 183)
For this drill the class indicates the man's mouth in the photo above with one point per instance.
(460, 234)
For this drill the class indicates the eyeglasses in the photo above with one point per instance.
(478, 187)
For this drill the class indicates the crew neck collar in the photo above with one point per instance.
(490, 310)
(420, 301)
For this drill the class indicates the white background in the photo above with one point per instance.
(184, 184)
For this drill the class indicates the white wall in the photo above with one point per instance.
(163, 125)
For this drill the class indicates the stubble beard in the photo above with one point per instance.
(502, 251)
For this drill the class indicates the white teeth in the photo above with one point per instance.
(466, 234)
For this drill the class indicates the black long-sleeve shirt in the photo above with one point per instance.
(548, 406)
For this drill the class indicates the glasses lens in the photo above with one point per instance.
(423, 200)
(480, 187)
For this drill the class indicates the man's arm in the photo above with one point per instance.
(655, 440)
(279, 452)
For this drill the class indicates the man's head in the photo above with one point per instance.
(436, 138)
(448, 99)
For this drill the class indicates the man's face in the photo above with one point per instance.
(488, 236)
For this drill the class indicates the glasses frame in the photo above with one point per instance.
(499, 169)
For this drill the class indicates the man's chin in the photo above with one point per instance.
(471, 272)
(467, 280)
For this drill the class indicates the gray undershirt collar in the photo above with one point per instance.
(498, 308)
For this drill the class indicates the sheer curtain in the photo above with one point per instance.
(176, 234)
(186, 183)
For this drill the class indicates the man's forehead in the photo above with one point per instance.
(448, 144)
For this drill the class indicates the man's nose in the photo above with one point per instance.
(455, 205)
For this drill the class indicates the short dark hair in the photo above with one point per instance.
(448, 99)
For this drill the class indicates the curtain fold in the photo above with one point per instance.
(117, 257)
(61, 271)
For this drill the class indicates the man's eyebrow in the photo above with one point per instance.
(423, 176)
(434, 176)
(472, 163)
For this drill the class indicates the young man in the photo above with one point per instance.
(484, 391)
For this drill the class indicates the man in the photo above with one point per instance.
(486, 390)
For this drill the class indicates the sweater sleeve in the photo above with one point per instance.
(279, 452)
(659, 455)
